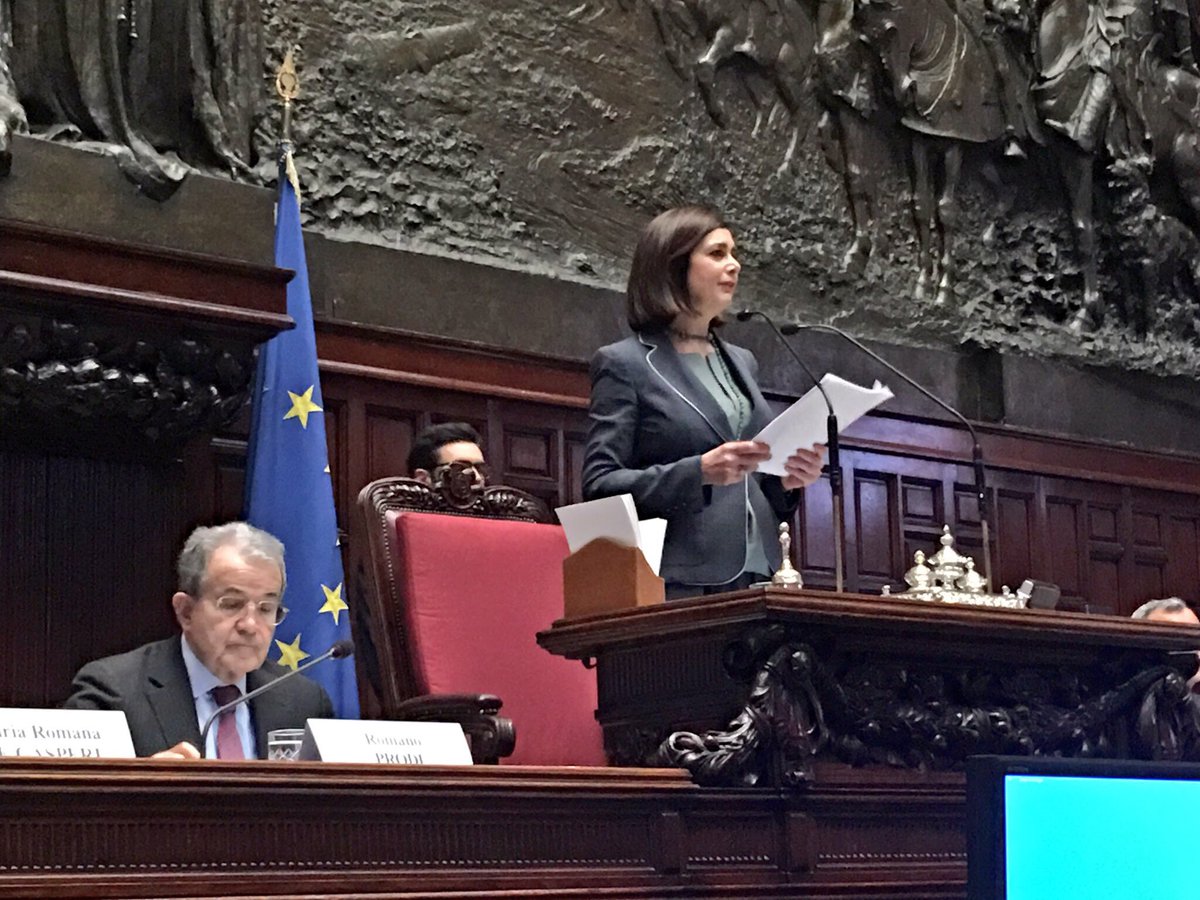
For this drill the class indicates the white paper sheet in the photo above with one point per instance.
(653, 534)
(804, 422)
(614, 518)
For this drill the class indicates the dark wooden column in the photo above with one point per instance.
(116, 363)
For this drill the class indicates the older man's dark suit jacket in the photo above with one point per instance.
(650, 421)
(150, 684)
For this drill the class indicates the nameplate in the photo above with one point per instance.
(65, 733)
(394, 743)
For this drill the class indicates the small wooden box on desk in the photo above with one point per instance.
(603, 577)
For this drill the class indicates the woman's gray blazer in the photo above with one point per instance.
(650, 420)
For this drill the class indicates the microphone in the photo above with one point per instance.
(340, 650)
(976, 450)
(832, 445)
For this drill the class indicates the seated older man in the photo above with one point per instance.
(230, 598)
(1171, 609)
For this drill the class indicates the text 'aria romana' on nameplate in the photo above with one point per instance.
(65, 733)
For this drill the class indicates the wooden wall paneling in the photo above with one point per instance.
(1105, 551)
(1016, 553)
(230, 492)
(1060, 530)
(926, 491)
(1075, 534)
(812, 535)
(1166, 545)
(874, 547)
(532, 452)
(110, 563)
(1011, 449)
(1065, 549)
(377, 355)
(964, 515)
(1149, 553)
(350, 467)
(1182, 541)
(898, 505)
(336, 415)
(376, 422)
(154, 272)
(532, 458)
(525, 400)
(542, 449)
(388, 438)
(216, 477)
(24, 560)
(964, 522)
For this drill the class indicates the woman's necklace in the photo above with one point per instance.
(682, 335)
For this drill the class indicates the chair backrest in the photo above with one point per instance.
(458, 597)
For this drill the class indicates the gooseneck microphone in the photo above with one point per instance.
(340, 650)
(832, 444)
(976, 450)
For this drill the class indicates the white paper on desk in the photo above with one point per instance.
(804, 422)
(614, 518)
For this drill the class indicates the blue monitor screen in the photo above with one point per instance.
(1085, 837)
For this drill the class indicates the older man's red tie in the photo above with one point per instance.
(229, 742)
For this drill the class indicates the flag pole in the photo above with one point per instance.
(289, 489)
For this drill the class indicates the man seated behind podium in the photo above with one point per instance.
(230, 598)
(1171, 609)
(449, 444)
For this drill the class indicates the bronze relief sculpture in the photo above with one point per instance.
(1101, 94)
(998, 170)
(160, 86)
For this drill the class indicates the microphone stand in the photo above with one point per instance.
(340, 650)
(976, 451)
(833, 445)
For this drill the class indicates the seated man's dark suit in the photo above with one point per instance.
(150, 685)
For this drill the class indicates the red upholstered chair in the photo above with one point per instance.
(456, 599)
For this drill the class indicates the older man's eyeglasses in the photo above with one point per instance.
(235, 607)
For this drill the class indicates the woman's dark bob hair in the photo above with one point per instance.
(658, 276)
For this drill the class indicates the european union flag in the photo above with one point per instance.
(288, 488)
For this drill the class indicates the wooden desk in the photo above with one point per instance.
(876, 681)
(819, 695)
(145, 828)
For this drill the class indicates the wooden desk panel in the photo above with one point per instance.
(144, 828)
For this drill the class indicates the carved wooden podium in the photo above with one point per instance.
(820, 695)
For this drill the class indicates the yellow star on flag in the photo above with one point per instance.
(334, 604)
(302, 405)
(290, 655)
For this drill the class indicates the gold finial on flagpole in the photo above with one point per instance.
(287, 86)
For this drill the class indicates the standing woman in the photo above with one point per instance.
(672, 409)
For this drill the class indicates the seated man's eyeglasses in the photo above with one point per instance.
(235, 607)
(476, 470)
